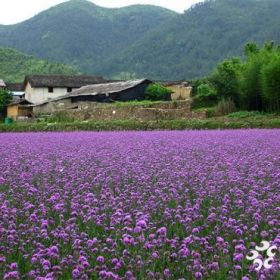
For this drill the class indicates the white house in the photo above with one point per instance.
(41, 88)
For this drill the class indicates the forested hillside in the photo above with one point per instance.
(145, 40)
(83, 34)
(15, 65)
(192, 44)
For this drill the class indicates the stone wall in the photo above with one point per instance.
(55, 106)
(157, 111)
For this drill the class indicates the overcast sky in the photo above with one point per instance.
(14, 11)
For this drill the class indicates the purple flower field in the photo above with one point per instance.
(138, 205)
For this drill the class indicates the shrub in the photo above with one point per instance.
(195, 84)
(245, 114)
(60, 117)
(206, 96)
(206, 90)
(157, 92)
(225, 107)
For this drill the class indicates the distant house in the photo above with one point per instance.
(107, 92)
(180, 90)
(114, 91)
(40, 88)
(2, 84)
(20, 109)
(17, 90)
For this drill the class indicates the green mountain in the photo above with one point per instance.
(145, 40)
(15, 65)
(81, 33)
(192, 44)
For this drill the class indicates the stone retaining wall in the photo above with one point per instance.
(157, 111)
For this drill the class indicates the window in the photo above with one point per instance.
(69, 89)
(50, 89)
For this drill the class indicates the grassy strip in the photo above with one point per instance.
(144, 103)
(119, 125)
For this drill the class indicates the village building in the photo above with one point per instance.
(106, 92)
(20, 109)
(180, 90)
(41, 88)
(17, 90)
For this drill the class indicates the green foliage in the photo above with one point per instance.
(206, 96)
(15, 65)
(206, 90)
(145, 41)
(251, 93)
(5, 99)
(245, 114)
(225, 79)
(251, 49)
(253, 84)
(270, 80)
(250, 85)
(195, 84)
(190, 45)
(260, 82)
(266, 121)
(144, 103)
(91, 36)
(60, 117)
(158, 92)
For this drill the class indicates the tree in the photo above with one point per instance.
(251, 48)
(270, 80)
(251, 92)
(5, 98)
(206, 96)
(206, 90)
(256, 75)
(225, 79)
(253, 84)
(157, 92)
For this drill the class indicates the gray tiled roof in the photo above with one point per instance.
(106, 88)
(64, 81)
